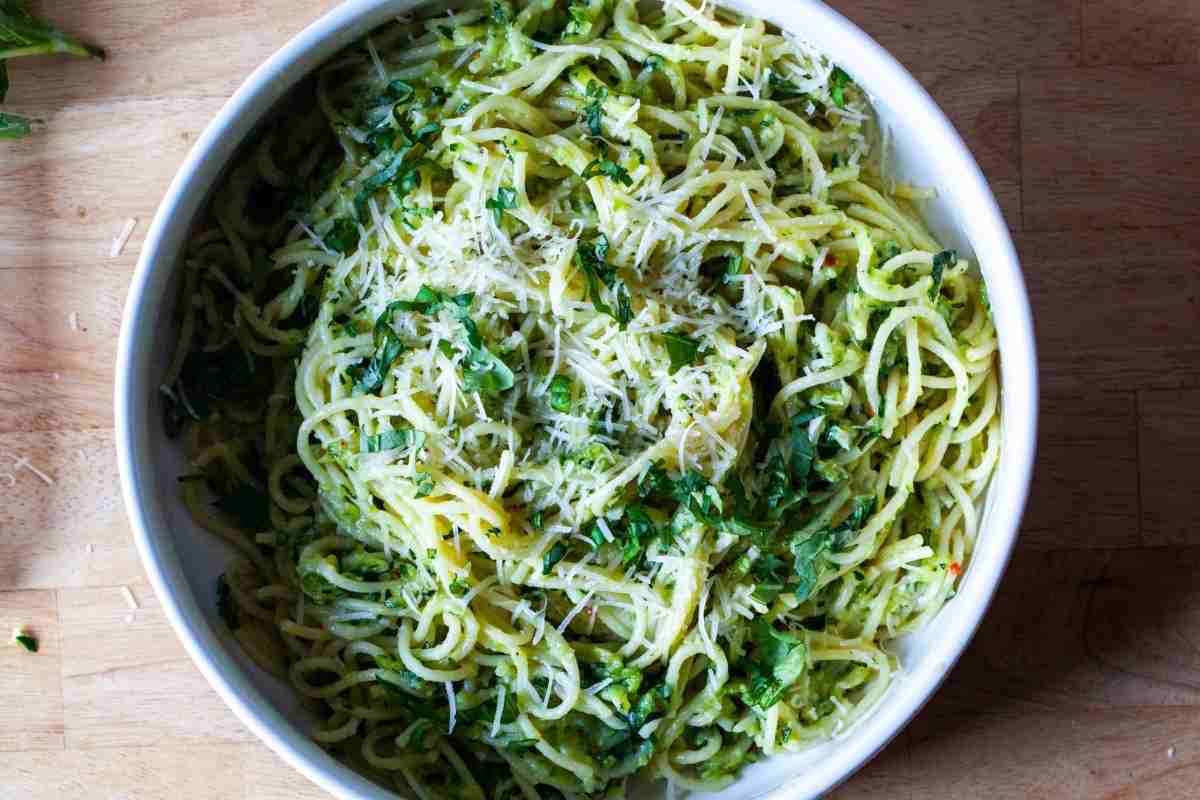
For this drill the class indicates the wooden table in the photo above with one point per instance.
(1084, 680)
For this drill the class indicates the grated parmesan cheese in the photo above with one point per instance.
(122, 238)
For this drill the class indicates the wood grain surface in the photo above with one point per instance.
(1084, 679)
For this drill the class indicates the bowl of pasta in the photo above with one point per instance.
(546, 399)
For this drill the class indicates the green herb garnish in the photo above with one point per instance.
(554, 555)
(599, 273)
(779, 660)
(560, 393)
(609, 168)
(343, 236)
(942, 261)
(593, 112)
(22, 34)
(24, 639)
(423, 481)
(505, 200)
(402, 439)
(681, 349)
(837, 86)
(226, 608)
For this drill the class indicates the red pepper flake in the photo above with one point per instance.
(956, 569)
(830, 260)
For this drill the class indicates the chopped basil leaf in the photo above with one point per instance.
(554, 555)
(609, 168)
(779, 661)
(343, 236)
(483, 371)
(379, 179)
(594, 111)
(502, 13)
(396, 91)
(781, 87)
(837, 86)
(370, 374)
(505, 199)
(599, 274)
(424, 483)
(401, 439)
(733, 268)
(560, 393)
(681, 349)
(943, 260)
(26, 640)
(427, 131)
(13, 126)
(807, 552)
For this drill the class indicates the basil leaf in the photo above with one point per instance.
(505, 199)
(780, 659)
(396, 91)
(401, 439)
(804, 561)
(733, 268)
(427, 130)
(554, 555)
(483, 372)
(681, 349)
(803, 451)
(943, 260)
(369, 185)
(13, 126)
(837, 86)
(560, 393)
(608, 168)
(428, 300)
(594, 111)
(343, 236)
(781, 87)
(424, 483)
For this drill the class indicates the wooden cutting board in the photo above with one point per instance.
(1084, 680)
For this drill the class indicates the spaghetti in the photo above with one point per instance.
(581, 399)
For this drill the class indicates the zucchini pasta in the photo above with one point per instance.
(582, 399)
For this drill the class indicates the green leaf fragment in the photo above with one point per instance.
(681, 349)
(26, 640)
(941, 262)
(837, 86)
(560, 393)
(554, 555)
(343, 236)
(504, 200)
(608, 168)
(779, 660)
(402, 439)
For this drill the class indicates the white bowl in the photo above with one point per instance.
(183, 562)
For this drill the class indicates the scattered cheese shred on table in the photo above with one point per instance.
(119, 242)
